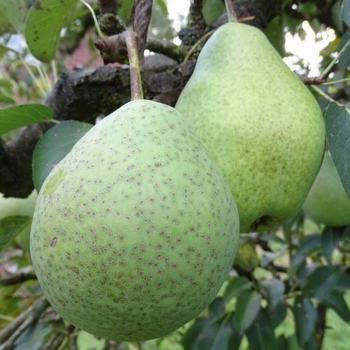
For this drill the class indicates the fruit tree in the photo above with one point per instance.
(175, 181)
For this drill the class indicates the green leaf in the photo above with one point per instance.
(163, 6)
(236, 286)
(217, 336)
(322, 281)
(344, 58)
(236, 336)
(6, 94)
(273, 290)
(217, 308)
(3, 48)
(190, 338)
(291, 23)
(278, 313)
(292, 225)
(345, 12)
(43, 25)
(125, 10)
(308, 9)
(272, 238)
(304, 271)
(246, 257)
(12, 14)
(15, 117)
(305, 316)
(33, 336)
(53, 146)
(343, 284)
(212, 9)
(247, 308)
(282, 343)
(207, 334)
(292, 343)
(275, 33)
(309, 244)
(214, 333)
(10, 227)
(335, 300)
(330, 238)
(268, 258)
(310, 344)
(338, 137)
(261, 334)
(344, 243)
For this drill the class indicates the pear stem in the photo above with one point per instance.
(231, 14)
(323, 94)
(134, 64)
(335, 60)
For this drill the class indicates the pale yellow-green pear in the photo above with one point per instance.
(258, 121)
(136, 229)
(327, 202)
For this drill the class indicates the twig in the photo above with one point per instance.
(334, 61)
(60, 337)
(97, 25)
(194, 47)
(322, 94)
(12, 331)
(321, 325)
(313, 81)
(17, 278)
(135, 74)
(140, 17)
(16, 161)
(112, 48)
(196, 16)
(231, 14)
(166, 48)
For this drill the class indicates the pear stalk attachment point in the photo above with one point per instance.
(134, 64)
(231, 14)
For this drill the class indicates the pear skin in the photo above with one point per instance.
(327, 202)
(258, 121)
(136, 229)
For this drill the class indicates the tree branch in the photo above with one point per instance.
(321, 325)
(140, 17)
(12, 331)
(16, 161)
(17, 278)
(82, 95)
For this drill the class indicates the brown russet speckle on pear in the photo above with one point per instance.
(136, 229)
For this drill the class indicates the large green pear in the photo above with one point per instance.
(327, 202)
(259, 122)
(136, 229)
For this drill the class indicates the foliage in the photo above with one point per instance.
(288, 288)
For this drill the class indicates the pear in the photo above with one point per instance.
(258, 121)
(327, 202)
(135, 229)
